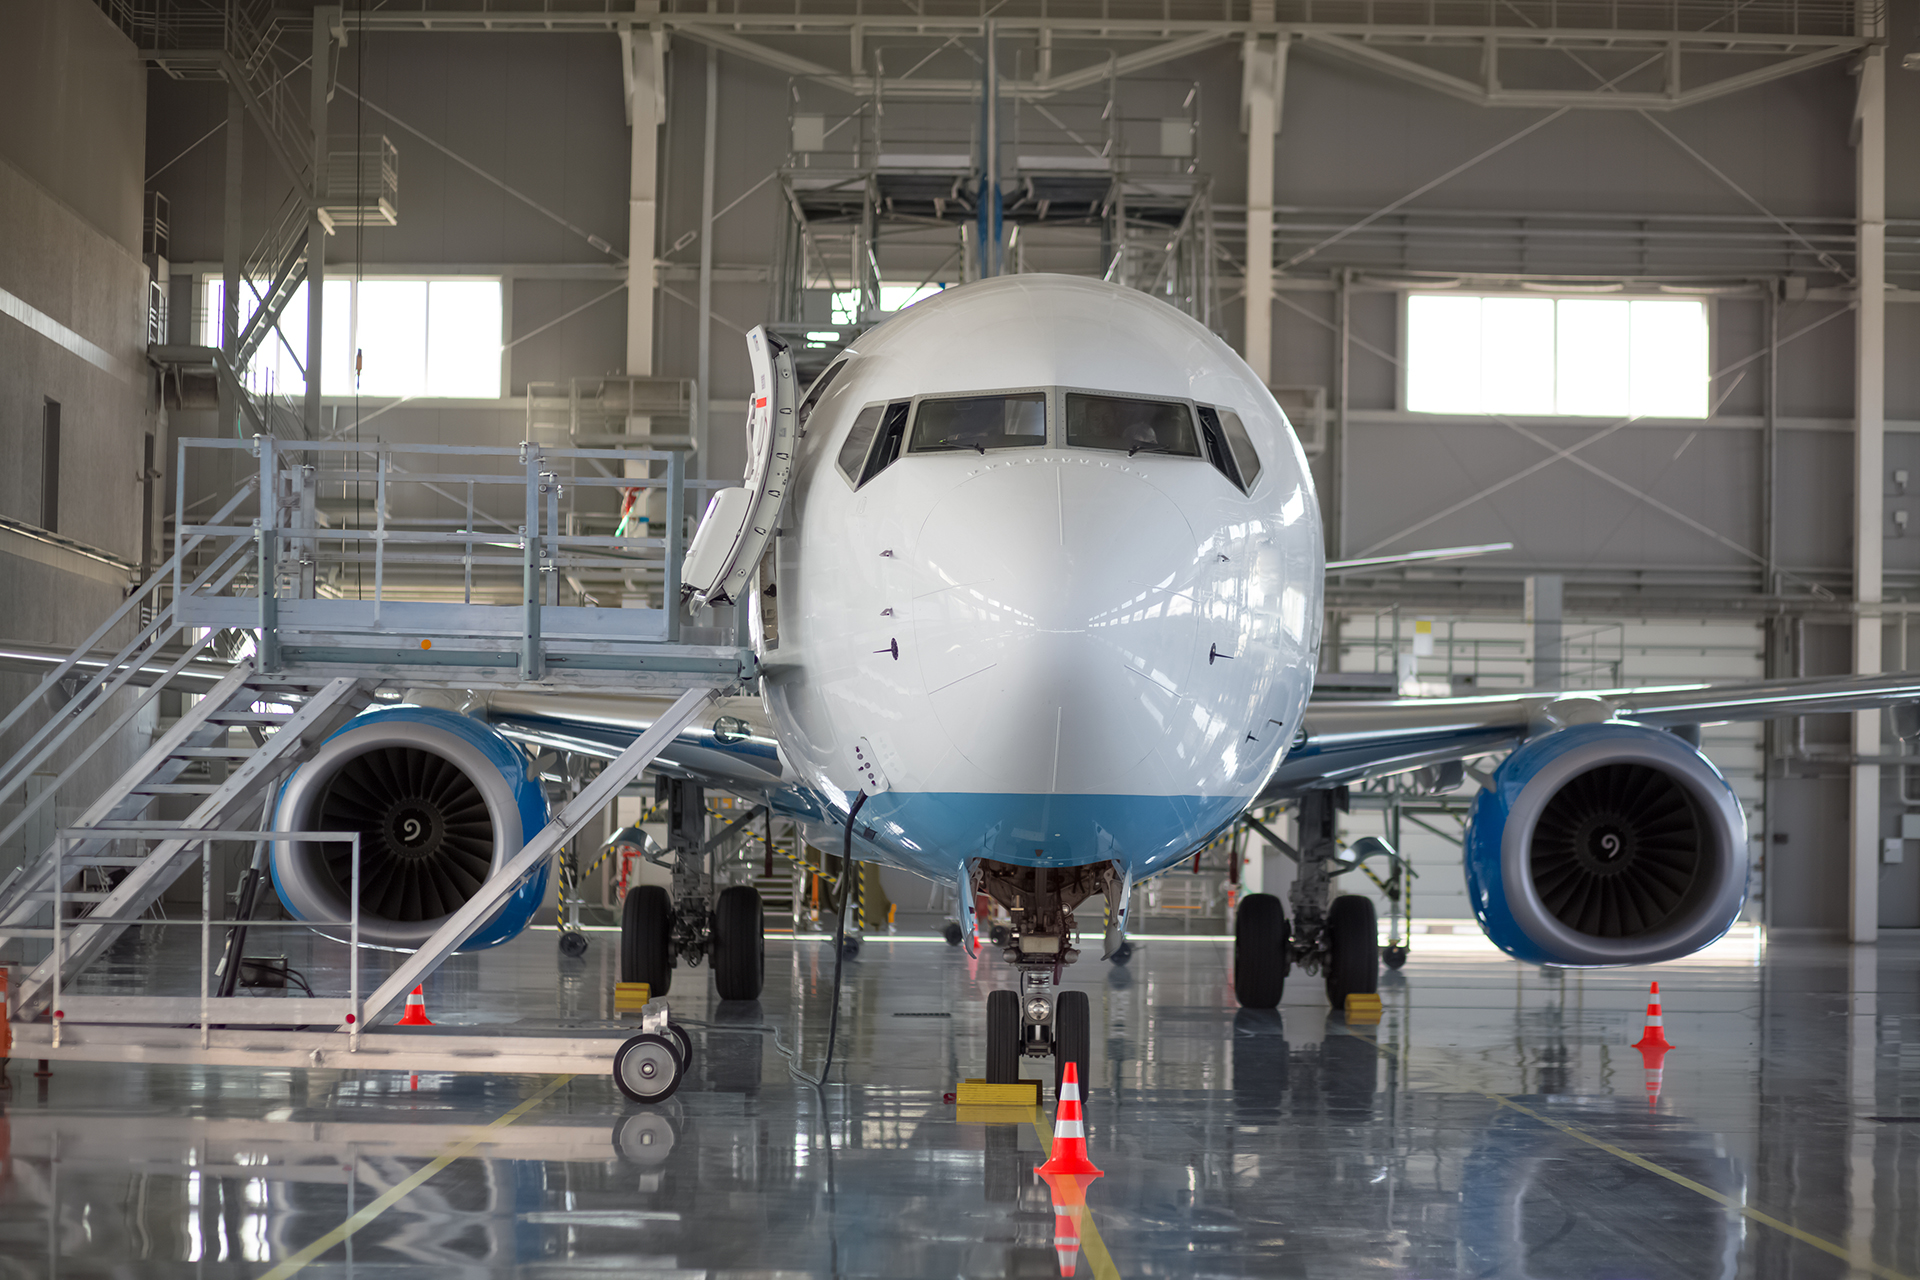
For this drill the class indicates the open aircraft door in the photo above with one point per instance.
(738, 523)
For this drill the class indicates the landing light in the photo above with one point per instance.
(1038, 1010)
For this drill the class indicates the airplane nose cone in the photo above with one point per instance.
(1062, 614)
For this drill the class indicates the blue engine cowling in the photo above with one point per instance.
(442, 802)
(1606, 844)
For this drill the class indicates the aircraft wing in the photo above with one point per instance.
(1346, 742)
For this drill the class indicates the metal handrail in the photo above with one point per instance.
(11, 771)
(160, 831)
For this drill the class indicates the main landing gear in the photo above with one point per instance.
(1336, 937)
(1038, 1020)
(660, 929)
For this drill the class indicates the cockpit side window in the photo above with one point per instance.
(815, 392)
(886, 447)
(1130, 426)
(1017, 421)
(853, 450)
(1218, 452)
(1243, 450)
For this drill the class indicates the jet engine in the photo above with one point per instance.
(1606, 844)
(441, 803)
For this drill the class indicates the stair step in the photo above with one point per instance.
(213, 753)
(175, 789)
(250, 717)
(46, 895)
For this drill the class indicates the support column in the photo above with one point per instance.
(233, 248)
(1869, 467)
(704, 392)
(646, 110)
(325, 19)
(1543, 609)
(1262, 82)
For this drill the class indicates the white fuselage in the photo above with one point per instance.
(1060, 654)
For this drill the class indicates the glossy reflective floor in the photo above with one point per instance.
(1495, 1123)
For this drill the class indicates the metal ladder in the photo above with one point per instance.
(243, 699)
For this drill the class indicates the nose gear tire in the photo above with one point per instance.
(739, 944)
(646, 938)
(1072, 1039)
(1353, 949)
(1262, 951)
(1003, 1037)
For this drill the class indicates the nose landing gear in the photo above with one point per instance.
(1039, 1020)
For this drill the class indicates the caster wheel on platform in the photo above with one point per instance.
(1393, 957)
(573, 943)
(1122, 953)
(647, 1068)
(952, 933)
(682, 1044)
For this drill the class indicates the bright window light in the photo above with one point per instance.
(1579, 357)
(436, 338)
(893, 297)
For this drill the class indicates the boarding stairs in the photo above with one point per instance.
(337, 621)
(291, 718)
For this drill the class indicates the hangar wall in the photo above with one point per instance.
(1592, 193)
(74, 408)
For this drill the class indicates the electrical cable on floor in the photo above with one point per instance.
(839, 957)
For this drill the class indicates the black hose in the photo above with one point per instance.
(840, 932)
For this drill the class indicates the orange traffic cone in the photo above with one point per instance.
(1069, 1132)
(416, 1014)
(1655, 1036)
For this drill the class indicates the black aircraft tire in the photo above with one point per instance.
(1072, 1040)
(1262, 951)
(1003, 1037)
(739, 944)
(646, 939)
(1353, 949)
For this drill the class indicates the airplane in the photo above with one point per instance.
(1034, 574)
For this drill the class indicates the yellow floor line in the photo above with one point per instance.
(1866, 1265)
(1090, 1242)
(393, 1194)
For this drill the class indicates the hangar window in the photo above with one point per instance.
(981, 423)
(1576, 357)
(439, 338)
(1130, 426)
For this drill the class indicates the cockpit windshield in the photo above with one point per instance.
(1015, 421)
(1130, 426)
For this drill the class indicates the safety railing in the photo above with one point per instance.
(205, 1007)
(456, 556)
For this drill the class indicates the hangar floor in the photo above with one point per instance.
(1495, 1123)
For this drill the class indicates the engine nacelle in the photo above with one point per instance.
(442, 802)
(1606, 844)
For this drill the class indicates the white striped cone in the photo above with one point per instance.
(416, 1011)
(1655, 1036)
(1069, 1131)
